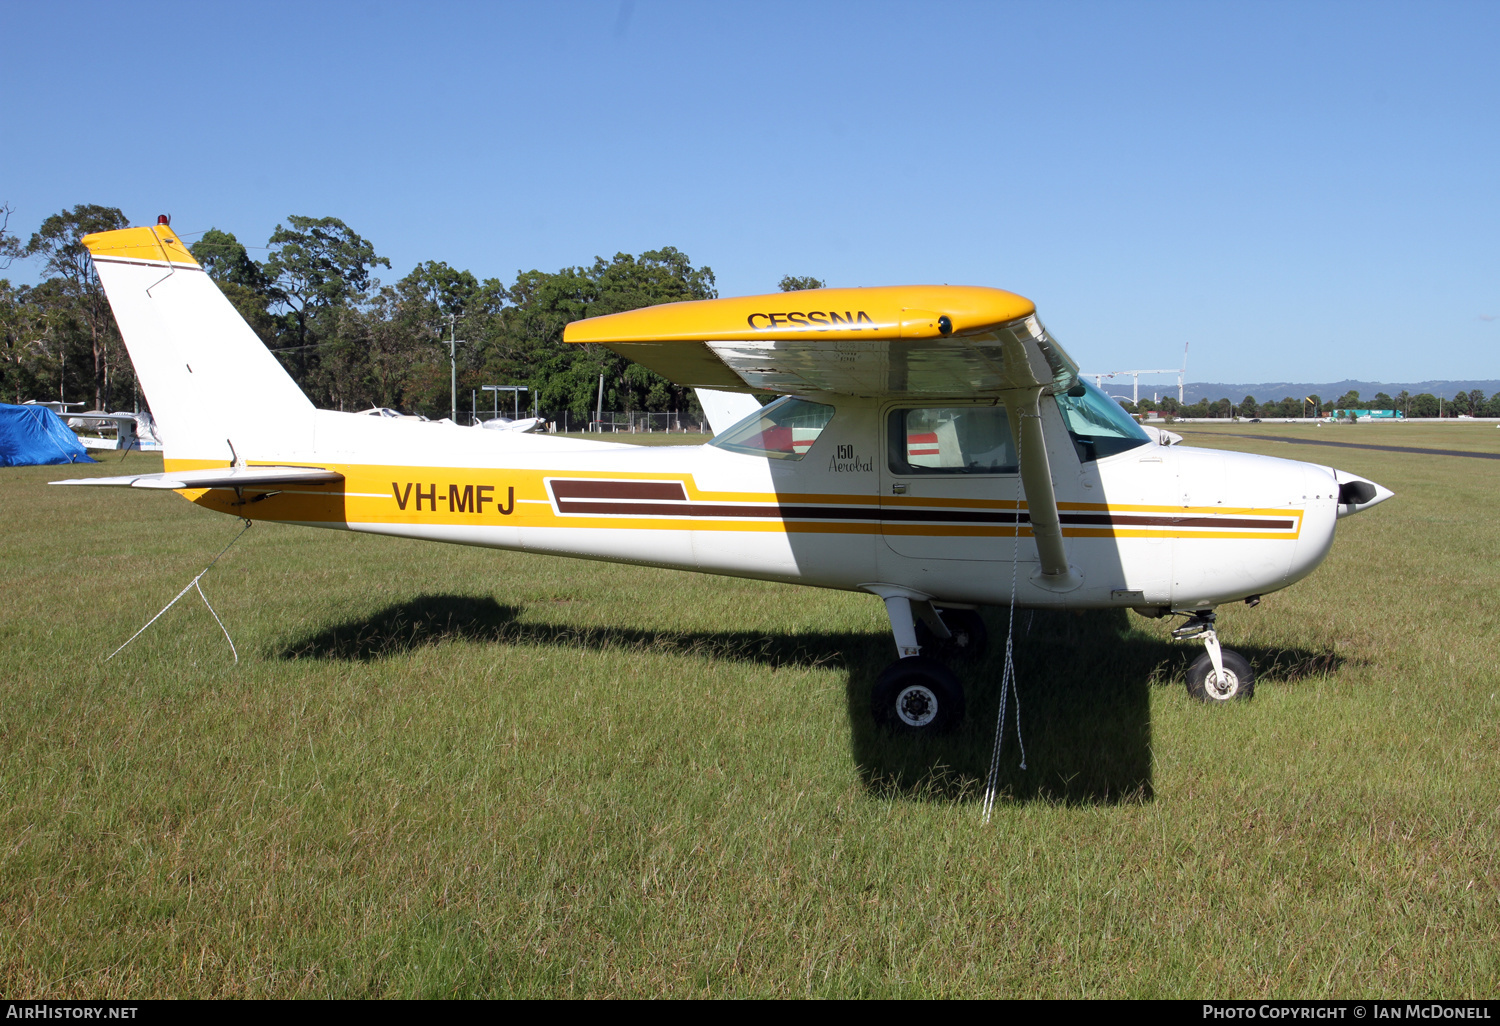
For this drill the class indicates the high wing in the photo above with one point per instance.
(925, 340)
(225, 477)
(920, 341)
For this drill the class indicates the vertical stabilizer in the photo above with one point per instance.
(210, 380)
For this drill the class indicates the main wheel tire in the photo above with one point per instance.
(1238, 680)
(918, 696)
(968, 635)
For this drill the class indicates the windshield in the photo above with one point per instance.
(784, 430)
(1098, 425)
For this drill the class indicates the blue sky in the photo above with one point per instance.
(1303, 191)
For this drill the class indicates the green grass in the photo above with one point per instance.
(1464, 436)
(444, 771)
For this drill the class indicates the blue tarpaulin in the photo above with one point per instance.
(33, 436)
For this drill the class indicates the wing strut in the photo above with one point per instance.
(1024, 409)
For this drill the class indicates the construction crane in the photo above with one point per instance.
(1135, 390)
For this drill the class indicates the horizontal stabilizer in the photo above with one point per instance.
(223, 477)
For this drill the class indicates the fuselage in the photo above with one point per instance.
(1164, 527)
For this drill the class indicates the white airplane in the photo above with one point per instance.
(506, 424)
(132, 430)
(930, 445)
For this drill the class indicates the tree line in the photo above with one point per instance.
(352, 342)
(348, 339)
(1423, 404)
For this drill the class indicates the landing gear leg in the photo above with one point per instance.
(915, 694)
(903, 626)
(1219, 674)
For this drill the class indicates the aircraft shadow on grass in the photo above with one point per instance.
(1084, 686)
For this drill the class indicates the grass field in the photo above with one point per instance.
(1464, 436)
(441, 771)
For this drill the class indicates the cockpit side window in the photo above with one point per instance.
(950, 440)
(1098, 425)
(784, 430)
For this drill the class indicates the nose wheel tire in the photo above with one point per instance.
(968, 635)
(1237, 681)
(918, 697)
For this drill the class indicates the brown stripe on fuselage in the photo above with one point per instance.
(569, 494)
(1126, 520)
(596, 489)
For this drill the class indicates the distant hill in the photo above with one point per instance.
(1273, 391)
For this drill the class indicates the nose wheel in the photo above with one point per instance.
(1236, 679)
(1219, 674)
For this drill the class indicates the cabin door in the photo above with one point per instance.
(950, 482)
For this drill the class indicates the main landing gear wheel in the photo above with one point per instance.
(1237, 681)
(968, 635)
(918, 696)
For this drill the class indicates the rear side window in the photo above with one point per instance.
(951, 440)
(784, 430)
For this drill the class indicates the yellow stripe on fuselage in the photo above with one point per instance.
(398, 496)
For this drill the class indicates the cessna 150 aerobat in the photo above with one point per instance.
(930, 444)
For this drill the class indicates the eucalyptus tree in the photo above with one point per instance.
(317, 269)
(10, 246)
(792, 283)
(317, 265)
(65, 262)
(542, 304)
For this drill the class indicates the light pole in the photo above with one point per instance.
(453, 344)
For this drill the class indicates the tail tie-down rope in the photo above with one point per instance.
(1008, 674)
(191, 585)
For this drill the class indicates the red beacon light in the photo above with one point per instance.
(163, 218)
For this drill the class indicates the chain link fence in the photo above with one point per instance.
(567, 422)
